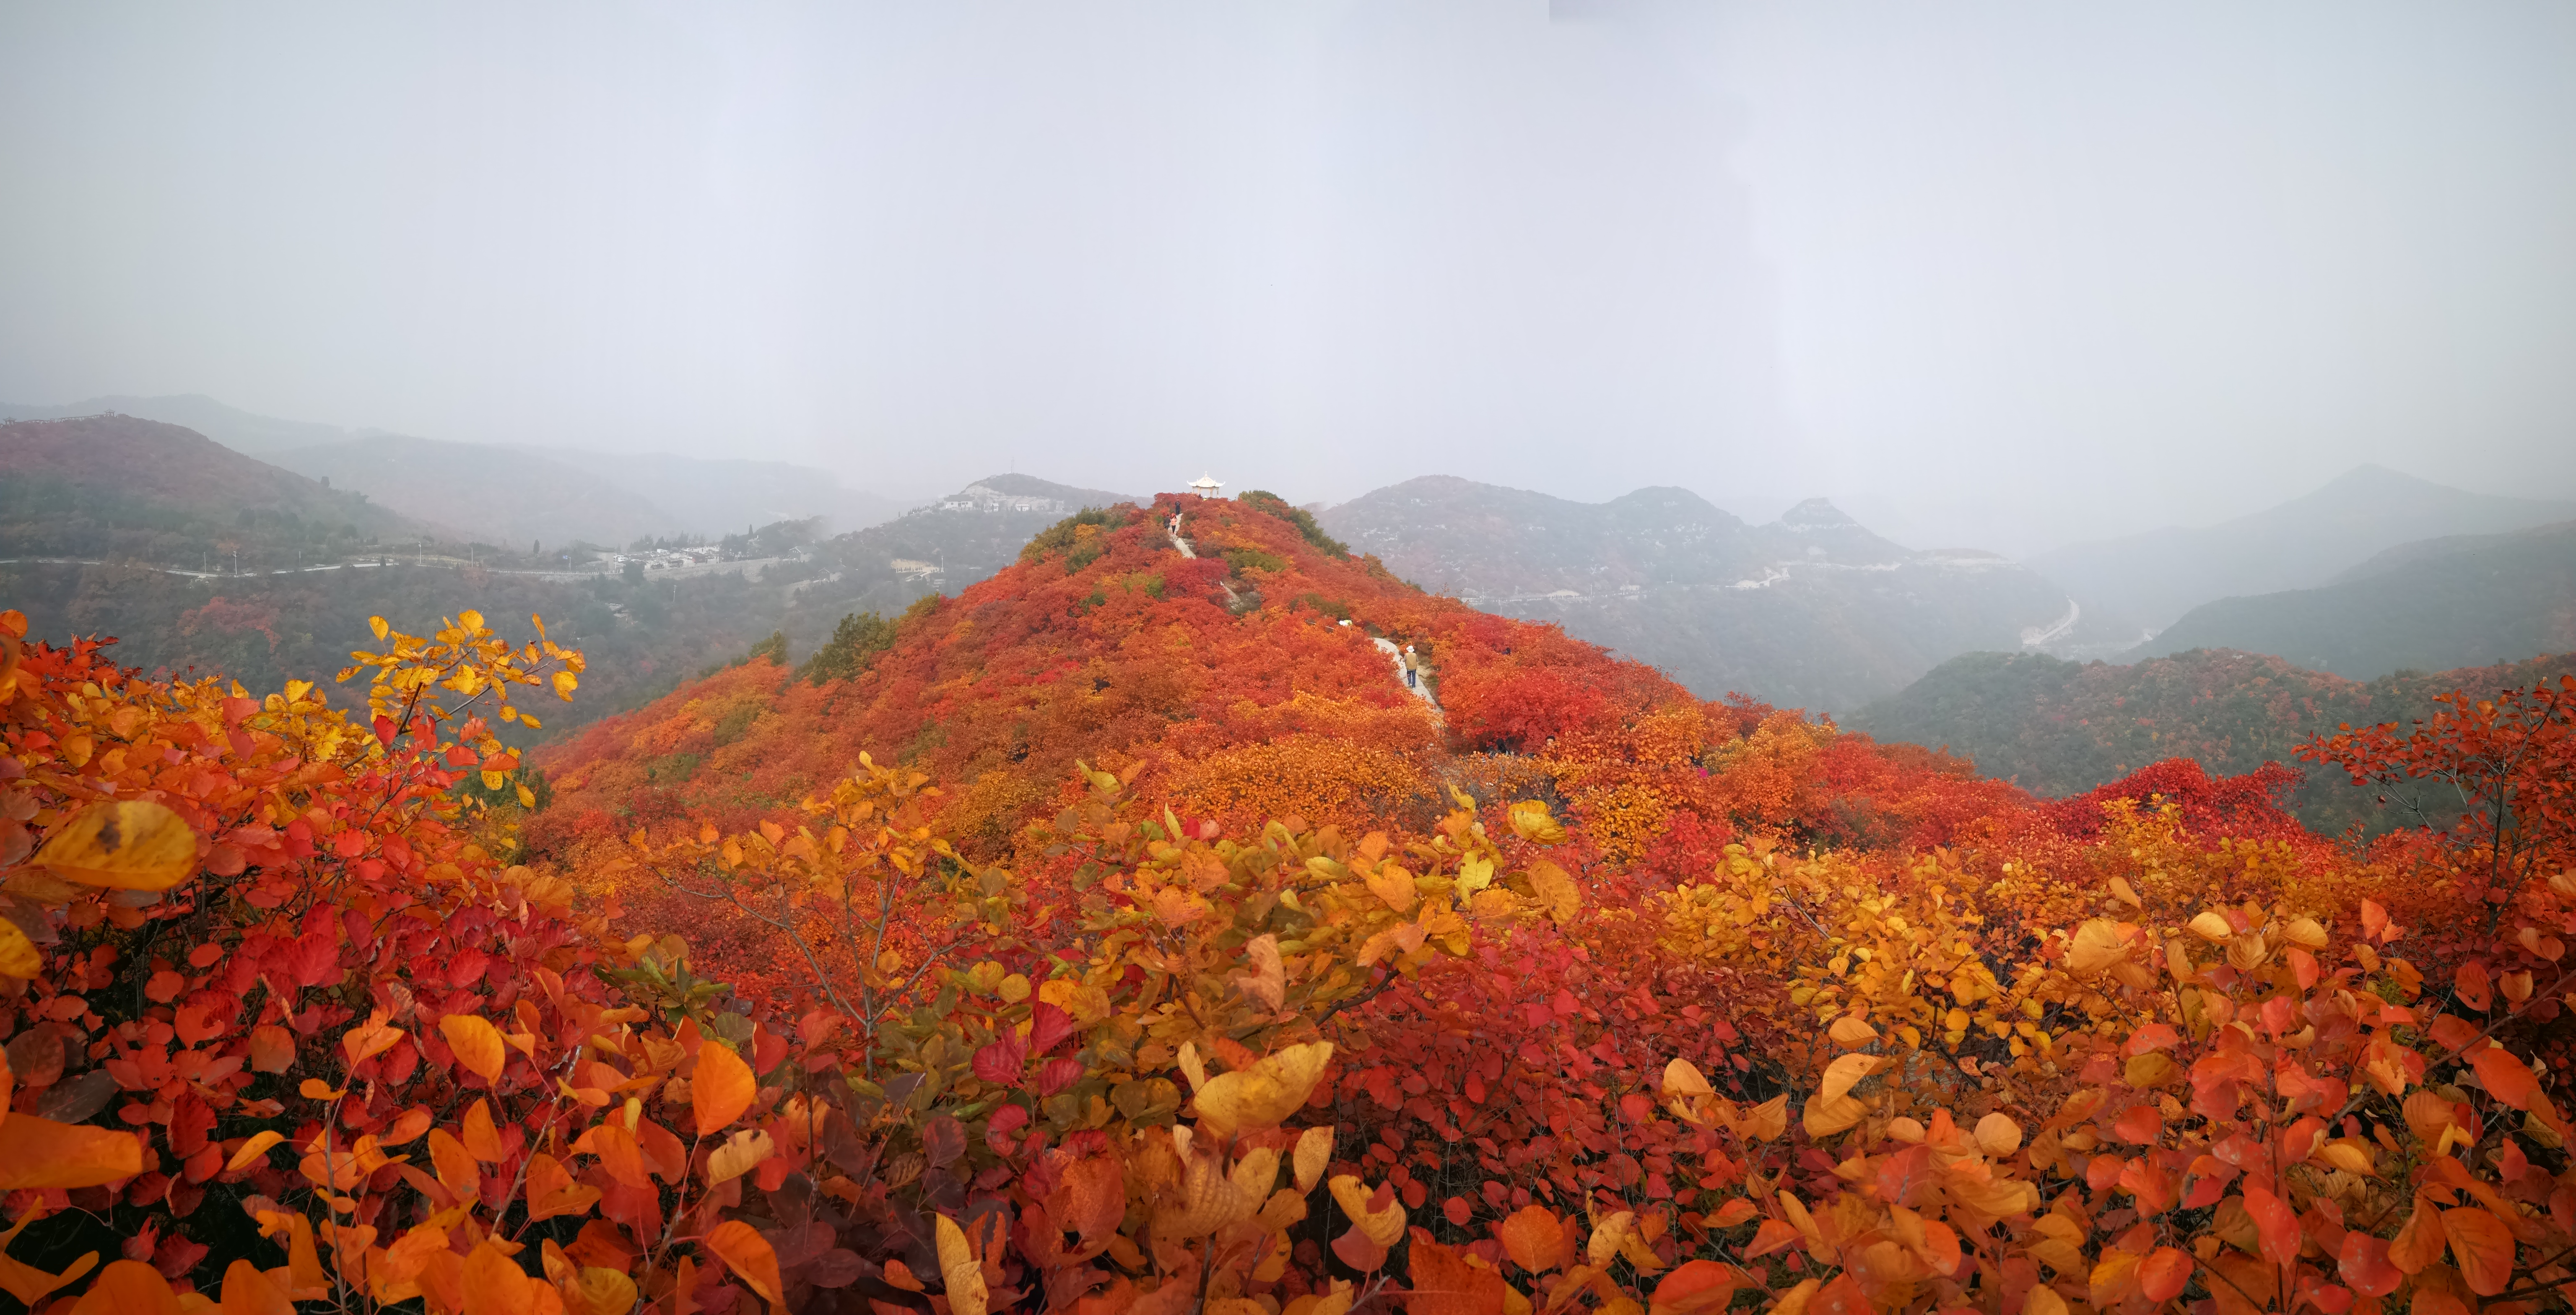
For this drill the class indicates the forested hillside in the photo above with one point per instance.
(121, 488)
(1810, 610)
(2060, 728)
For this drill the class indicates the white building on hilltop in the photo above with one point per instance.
(1207, 487)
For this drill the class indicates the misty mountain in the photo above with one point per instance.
(128, 488)
(716, 496)
(2156, 577)
(499, 495)
(1810, 610)
(518, 494)
(2059, 728)
(2456, 601)
(254, 435)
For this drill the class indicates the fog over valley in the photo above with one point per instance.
(1983, 279)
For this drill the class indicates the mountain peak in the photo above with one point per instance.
(1817, 514)
(1030, 486)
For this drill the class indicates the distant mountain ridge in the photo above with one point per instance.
(2456, 601)
(2152, 579)
(1811, 610)
(516, 494)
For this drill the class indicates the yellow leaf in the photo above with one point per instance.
(2350, 1154)
(1314, 1152)
(2096, 946)
(565, 681)
(38, 1152)
(606, 1291)
(959, 1271)
(1382, 1227)
(1531, 822)
(1260, 1097)
(740, 1154)
(18, 956)
(722, 1089)
(251, 1150)
(1766, 1121)
(131, 844)
(1826, 1115)
(2213, 927)
(2126, 893)
(527, 797)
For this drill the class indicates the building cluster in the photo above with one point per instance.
(980, 497)
(665, 559)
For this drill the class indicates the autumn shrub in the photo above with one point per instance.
(283, 1026)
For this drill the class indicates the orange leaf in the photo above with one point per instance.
(2484, 1247)
(1445, 1284)
(551, 1190)
(750, 1257)
(127, 1287)
(2163, 1274)
(2277, 1225)
(1698, 1285)
(248, 1291)
(495, 1283)
(477, 1044)
(272, 1048)
(38, 1152)
(317, 1089)
(482, 1140)
(2419, 1243)
(253, 1149)
(2507, 1077)
(2364, 1266)
(618, 1152)
(1773, 1235)
(370, 1038)
(1534, 1238)
(722, 1089)
(2139, 1123)
(454, 1164)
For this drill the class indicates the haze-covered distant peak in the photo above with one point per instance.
(1668, 504)
(1025, 492)
(1817, 514)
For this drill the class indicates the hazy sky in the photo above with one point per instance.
(1998, 274)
